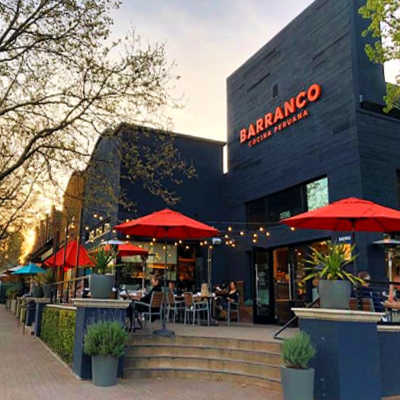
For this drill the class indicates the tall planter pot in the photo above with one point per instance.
(298, 384)
(101, 286)
(47, 290)
(104, 370)
(334, 294)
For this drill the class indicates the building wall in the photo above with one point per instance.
(322, 45)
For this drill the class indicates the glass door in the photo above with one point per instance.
(263, 303)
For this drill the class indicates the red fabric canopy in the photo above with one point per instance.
(350, 214)
(128, 249)
(167, 224)
(57, 260)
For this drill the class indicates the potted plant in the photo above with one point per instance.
(335, 282)
(297, 377)
(101, 285)
(47, 279)
(37, 290)
(11, 294)
(105, 343)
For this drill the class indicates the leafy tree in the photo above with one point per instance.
(64, 81)
(385, 26)
(11, 250)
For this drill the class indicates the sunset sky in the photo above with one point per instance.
(208, 40)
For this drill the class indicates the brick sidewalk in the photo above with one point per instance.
(29, 371)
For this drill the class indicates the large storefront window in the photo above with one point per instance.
(317, 194)
(287, 203)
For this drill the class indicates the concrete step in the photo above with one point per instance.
(147, 350)
(203, 341)
(259, 370)
(215, 375)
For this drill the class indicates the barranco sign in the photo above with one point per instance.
(291, 112)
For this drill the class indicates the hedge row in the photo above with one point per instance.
(58, 331)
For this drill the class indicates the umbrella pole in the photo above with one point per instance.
(164, 331)
(353, 241)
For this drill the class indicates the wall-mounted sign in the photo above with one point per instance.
(291, 112)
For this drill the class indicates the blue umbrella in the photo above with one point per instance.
(30, 269)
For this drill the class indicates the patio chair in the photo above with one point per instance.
(154, 307)
(232, 309)
(174, 305)
(195, 307)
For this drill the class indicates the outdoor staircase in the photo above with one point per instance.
(223, 359)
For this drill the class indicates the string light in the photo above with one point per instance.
(255, 235)
(127, 220)
(261, 229)
(101, 218)
(94, 215)
(292, 228)
(267, 234)
(226, 236)
(187, 247)
(176, 244)
(154, 239)
(210, 247)
(164, 247)
(201, 243)
(128, 236)
(229, 228)
(86, 228)
(180, 242)
(241, 233)
(114, 231)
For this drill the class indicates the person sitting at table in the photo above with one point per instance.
(231, 296)
(156, 287)
(172, 287)
(394, 290)
(181, 285)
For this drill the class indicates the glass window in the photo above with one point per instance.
(317, 194)
(287, 203)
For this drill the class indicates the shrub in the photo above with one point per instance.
(58, 331)
(12, 292)
(297, 351)
(105, 338)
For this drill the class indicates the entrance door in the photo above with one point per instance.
(263, 304)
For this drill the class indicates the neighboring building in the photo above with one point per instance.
(305, 128)
(108, 187)
(47, 236)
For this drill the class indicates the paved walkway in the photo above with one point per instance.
(29, 371)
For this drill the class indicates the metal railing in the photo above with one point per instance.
(65, 291)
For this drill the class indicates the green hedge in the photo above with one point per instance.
(58, 331)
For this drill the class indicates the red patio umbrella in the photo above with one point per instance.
(167, 224)
(128, 249)
(57, 260)
(351, 214)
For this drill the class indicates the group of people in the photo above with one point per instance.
(224, 294)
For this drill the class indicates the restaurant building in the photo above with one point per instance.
(305, 128)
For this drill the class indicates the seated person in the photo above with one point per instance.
(394, 290)
(181, 285)
(231, 295)
(172, 287)
(156, 287)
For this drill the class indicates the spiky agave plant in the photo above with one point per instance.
(298, 351)
(330, 265)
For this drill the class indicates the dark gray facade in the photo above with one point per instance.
(358, 150)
